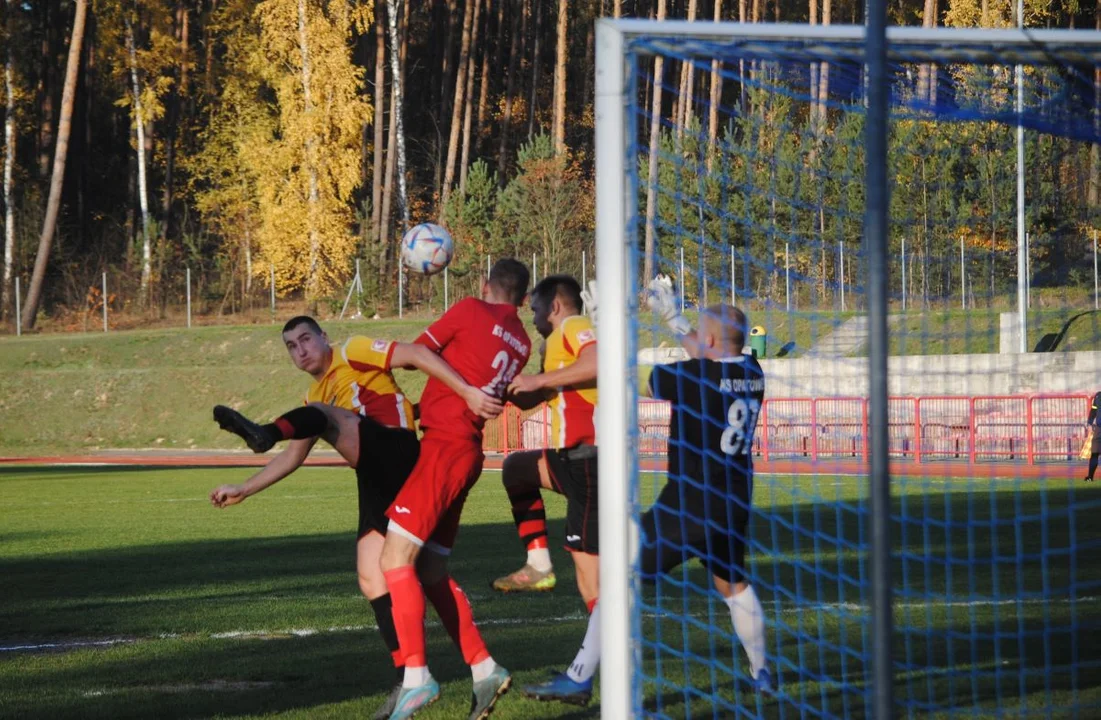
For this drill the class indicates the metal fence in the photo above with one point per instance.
(1018, 428)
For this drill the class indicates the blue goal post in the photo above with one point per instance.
(732, 159)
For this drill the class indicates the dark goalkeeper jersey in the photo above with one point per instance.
(714, 416)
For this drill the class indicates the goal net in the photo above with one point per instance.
(731, 160)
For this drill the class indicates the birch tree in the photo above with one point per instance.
(9, 160)
(397, 60)
(307, 169)
(138, 119)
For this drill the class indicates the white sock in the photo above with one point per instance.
(416, 676)
(539, 558)
(481, 670)
(584, 665)
(749, 625)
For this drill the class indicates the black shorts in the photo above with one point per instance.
(1095, 442)
(386, 457)
(573, 474)
(688, 521)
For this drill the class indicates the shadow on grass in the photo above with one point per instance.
(995, 608)
(981, 550)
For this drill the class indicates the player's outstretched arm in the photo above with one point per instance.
(280, 466)
(430, 363)
(581, 372)
(660, 298)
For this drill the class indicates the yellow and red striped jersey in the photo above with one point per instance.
(572, 408)
(360, 379)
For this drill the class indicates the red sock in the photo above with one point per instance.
(530, 516)
(298, 424)
(455, 614)
(408, 609)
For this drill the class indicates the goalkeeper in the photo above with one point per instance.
(703, 510)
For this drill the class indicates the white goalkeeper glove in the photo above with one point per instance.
(660, 299)
(589, 302)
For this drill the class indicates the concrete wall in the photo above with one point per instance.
(1010, 374)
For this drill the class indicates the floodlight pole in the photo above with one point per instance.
(358, 287)
(19, 315)
(903, 273)
(104, 302)
(963, 279)
(787, 278)
(1028, 270)
(189, 297)
(681, 279)
(1022, 242)
(876, 227)
(1095, 297)
(446, 303)
(841, 271)
(733, 286)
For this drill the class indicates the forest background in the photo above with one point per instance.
(289, 139)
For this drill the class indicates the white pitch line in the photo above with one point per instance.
(264, 634)
(69, 645)
(197, 499)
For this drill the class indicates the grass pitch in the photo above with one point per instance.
(132, 597)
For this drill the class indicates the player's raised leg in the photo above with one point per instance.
(523, 474)
(299, 424)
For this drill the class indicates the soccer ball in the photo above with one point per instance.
(426, 249)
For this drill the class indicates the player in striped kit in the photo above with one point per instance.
(355, 404)
(568, 386)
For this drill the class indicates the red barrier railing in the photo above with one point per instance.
(1027, 428)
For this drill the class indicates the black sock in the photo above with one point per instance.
(299, 424)
(384, 617)
(1093, 464)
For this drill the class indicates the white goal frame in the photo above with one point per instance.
(615, 236)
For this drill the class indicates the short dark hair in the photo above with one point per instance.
(563, 286)
(733, 322)
(510, 276)
(302, 320)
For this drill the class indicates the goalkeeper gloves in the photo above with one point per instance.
(589, 301)
(660, 298)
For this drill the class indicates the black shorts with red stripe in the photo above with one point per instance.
(573, 474)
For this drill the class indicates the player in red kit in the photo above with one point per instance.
(485, 342)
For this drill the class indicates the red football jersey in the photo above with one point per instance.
(487, 345)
